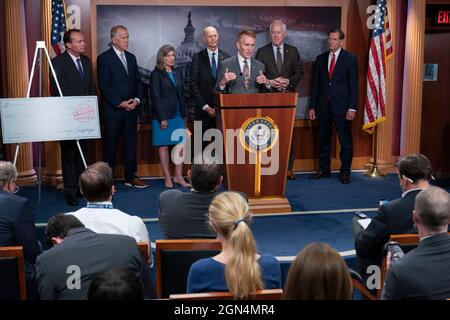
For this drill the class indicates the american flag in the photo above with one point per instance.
(59, 26)
(380, 49)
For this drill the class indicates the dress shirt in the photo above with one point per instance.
(118, 52)
(336, 56)
(113, 221)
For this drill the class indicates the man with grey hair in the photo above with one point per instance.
(284, 68)
(423, 272)
(17, 222)
(205, 65)
(121, 89)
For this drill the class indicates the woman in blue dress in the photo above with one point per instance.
(169, 112)
(239, 267)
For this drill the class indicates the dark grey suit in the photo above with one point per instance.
(237, 85)
(395, 217)
(93, 253)
(423, 273)
(185, 215)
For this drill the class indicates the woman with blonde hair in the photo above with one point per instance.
(238, 268)
(169, 113)
(318, 273)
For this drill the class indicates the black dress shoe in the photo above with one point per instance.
(72, 201)
(319, 174)
(290, 175)
(345, 178)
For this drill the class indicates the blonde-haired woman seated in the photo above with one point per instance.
(318, 273)
(238, 268)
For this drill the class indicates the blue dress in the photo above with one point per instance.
(164, 137)
(208, 275)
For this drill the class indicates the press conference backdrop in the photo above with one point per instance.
(49, 119)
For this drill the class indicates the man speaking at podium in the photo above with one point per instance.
(242, 73)
(74, 73)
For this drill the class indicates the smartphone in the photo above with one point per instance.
(382, 202)
(361, 215)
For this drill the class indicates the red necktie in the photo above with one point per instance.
(332, 64)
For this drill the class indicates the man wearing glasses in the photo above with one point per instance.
(17, 221)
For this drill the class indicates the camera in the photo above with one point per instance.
(396, 252)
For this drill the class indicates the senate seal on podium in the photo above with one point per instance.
(258, 134)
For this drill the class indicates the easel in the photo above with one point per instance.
(41, 45)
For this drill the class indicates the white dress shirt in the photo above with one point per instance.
(113, 221)
(274, 48)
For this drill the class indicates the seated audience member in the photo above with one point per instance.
(318, 273)
(185, 215)
(17, 222)
(423, 273)
(239, 267)
(116, 284)
(97, 186)
(414, 172)
(65, 272)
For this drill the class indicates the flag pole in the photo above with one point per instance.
(373, 170)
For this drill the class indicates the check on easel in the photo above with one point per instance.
(49, 119)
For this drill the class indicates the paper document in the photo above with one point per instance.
(364, 222)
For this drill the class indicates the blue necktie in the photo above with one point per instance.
(80, 69)
(213, 66)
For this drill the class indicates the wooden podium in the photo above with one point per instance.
(257, 132)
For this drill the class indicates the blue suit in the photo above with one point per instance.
(115, 86)
(331, 99)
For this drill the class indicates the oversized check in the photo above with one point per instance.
(49, 119)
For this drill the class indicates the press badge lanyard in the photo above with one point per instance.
(93, 205)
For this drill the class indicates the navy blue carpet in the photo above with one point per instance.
(281, 235)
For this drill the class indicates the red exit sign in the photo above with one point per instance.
(443, 17)
(439, 15)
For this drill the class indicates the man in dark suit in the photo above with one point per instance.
(422, 274)
(17, 223)
(185, 215)
(204, 77)
(242, 73)
(333, 100)
(66, 271)
(74, 73)
(284, 68)
(394, 217)
(121, 90)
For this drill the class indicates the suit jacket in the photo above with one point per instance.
(185, 215)
(17, 225)
(116, 85)
(237, 85)
(69, 78)
(393, 218)
(341, 91)
(93, 253)
(423, 273)
(202, 82)
(292, 68)
(166, 96)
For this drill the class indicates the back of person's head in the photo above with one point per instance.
(432, 206)
(8, 173)
(58, 226)
(96, 182)
(230, 217)
(415, 167)
(116, 284)
(318, 273)
(206, 176)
